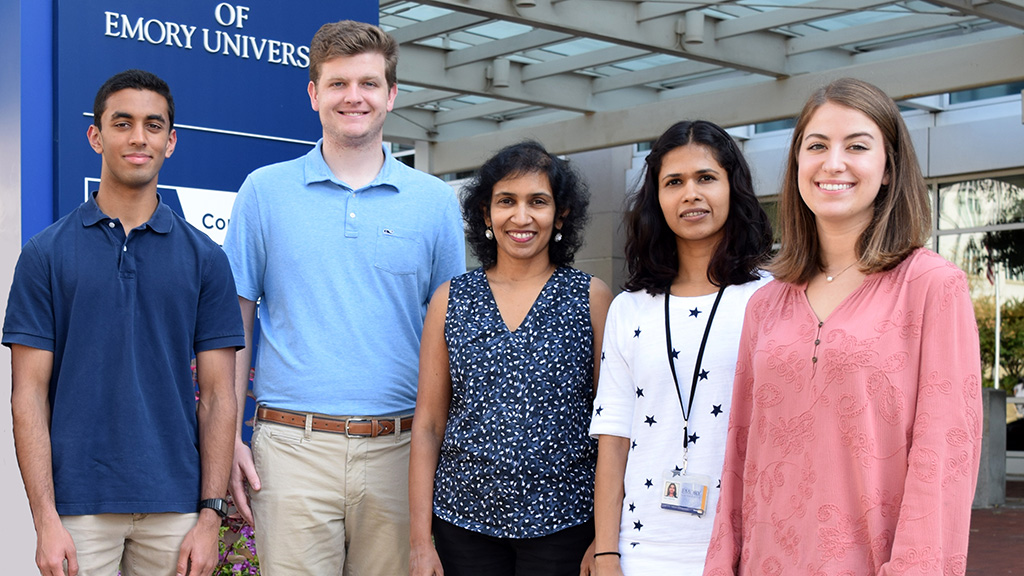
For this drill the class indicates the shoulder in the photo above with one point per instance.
(183, 230)
(464, 281)
(186, 238)
(767, 295)
(407, 178)
(50, 242)
(927, 265)
(288, 170)
(58, 233)
(599, 291)
(747, 289)
(926, 275)
(628, 304)
(441, 294)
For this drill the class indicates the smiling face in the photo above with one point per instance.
(134, 138)
(693, 190)
(841, 167)
(522, 215)
(353, 98)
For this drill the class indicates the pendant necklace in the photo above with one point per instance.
(831, 277)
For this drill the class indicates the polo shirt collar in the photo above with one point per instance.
(161, 221)
(316, 169)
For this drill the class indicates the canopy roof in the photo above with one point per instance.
(583, 74)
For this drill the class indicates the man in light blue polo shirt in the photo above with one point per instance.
(342, 248)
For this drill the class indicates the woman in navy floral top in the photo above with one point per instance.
(502, 467)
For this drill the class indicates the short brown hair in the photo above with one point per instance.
(350, 38)
(902, 216)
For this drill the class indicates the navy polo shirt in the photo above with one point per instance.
(123, 317)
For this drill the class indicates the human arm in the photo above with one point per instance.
(433, 399)
(945, 441)
(448, 258)
(612, 453)
(243, 469)
(216, 416)
(726, 536)
(600, 300)
(612, 426)
(31, 369)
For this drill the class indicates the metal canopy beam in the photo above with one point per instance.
(869, 32)
(504, 47)
(494, 108)
(436, 27)
(594, 73)
(581, 61)
(424, 66)
(1004, 13)
(653, 75)
(977, 65)
(411, 99)
(794, 15)
(616, 22)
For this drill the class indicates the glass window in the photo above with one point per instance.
(771, 208)
(986, 92)
(981, 230)
(982, 202)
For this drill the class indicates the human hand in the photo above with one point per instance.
(200, 548)
(423, 561)
(243, 469)
(54, 546)
(587, 564)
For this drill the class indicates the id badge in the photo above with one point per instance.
(685, 492)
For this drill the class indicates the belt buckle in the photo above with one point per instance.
(351, 420)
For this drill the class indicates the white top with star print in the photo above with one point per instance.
(636, 400)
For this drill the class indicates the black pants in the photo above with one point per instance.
(467, 553)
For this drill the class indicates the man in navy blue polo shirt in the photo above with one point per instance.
(108, 306)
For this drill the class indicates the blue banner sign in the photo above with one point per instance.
(238, 74)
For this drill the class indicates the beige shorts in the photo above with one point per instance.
(330, 505)
(141, 544)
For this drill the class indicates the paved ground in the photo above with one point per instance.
(997, 537)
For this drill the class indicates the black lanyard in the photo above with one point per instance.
(687, 410)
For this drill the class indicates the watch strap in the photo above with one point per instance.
(218, 505)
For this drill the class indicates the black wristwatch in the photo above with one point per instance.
(218, 505)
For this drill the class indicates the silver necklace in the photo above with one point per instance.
(831, 277)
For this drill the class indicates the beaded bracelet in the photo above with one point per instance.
(596, 554)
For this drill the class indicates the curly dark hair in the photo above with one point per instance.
(651, 255)
(570, 191)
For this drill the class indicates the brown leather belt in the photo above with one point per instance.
(352, 427)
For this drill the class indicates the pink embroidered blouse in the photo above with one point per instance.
(853, 443)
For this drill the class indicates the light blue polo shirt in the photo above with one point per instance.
(344, 278)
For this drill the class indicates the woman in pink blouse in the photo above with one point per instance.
(855, 432)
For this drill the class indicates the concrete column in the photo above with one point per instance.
(992, 471)
(17, 536)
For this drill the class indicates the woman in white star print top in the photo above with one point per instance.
(502, 465)
(695, 229)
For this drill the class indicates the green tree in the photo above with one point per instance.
(1011, 352)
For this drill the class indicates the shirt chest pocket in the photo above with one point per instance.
(397, 251)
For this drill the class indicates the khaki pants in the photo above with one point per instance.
(142, 544)
(330, 505)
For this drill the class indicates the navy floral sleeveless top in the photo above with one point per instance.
(517, 460)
